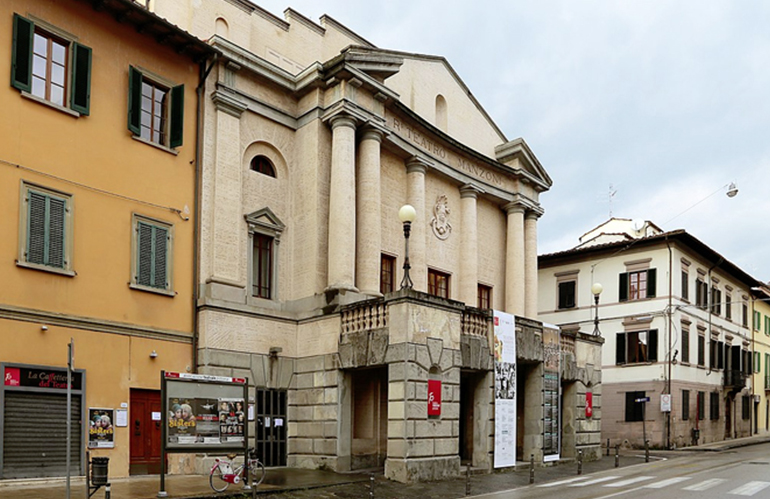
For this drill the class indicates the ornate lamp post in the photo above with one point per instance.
(596, 289)
(407, 214)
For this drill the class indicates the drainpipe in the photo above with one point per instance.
(670, 329)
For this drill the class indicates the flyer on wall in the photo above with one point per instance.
(231, 419)
(505, 390)
(101, 433)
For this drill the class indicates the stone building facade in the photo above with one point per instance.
(313, 139)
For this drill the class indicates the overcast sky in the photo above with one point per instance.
(667, 101)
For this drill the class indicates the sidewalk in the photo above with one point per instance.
(292, 483)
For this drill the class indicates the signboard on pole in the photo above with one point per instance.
(665, 402)
(505, 390)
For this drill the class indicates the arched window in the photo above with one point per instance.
(441, 112)
(222, 29)
(261, 164)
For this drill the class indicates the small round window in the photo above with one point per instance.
(261, 164)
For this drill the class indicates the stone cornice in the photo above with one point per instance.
(228, 103)
(518, 149)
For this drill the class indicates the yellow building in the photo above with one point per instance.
(761, 333)
(98, 188)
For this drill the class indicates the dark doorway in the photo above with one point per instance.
(271, 427)
(145, 427)
(370, 418)
(470, 382)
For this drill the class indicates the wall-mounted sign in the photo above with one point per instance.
(101, 434)
(589, 404)
(434, 397)
(665, 402)
(40, 378)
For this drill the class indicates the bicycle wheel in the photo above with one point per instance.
(216, 480)
(257, 471)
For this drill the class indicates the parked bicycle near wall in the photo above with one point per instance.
(224, 472)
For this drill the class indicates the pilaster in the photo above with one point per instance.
(415, 179)
(514, 259)
(530, 263)
(368, 223)
(469, 260)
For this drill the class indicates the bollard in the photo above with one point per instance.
(371, 486)
(608, 447)
(646, 451)
(107, 491)
(468, 480)
(531, 468)
(580, 462)
(617, 455)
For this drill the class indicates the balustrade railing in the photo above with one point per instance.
(365, 316)
(475, 323)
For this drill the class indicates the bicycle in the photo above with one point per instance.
(223, 473)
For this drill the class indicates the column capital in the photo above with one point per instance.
(533, 213)
(514, 207)
(415, 164)
(470, 191)
(228, 103)
(372, 133)
(342, 120)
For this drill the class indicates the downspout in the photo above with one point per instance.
(670, 330)
(203, 74)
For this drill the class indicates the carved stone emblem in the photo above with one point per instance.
(440, 221)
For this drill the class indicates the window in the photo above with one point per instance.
(566, 295)
(701, 293)
(685, 285)
(50, 67)
(438, 283)
(262, 266)
(757, 362)
(152, 250)
(767, 325)
(757, 321)
(155, 110)
(716, 301)
(728, 306)
(637, 285)
(685, 344)
(745, 321)
(637, 347)
(387, 274)
(46, 229)
(265, 231)
(714, 406)
(685, 405)
(767, 371)
(746, 407)
(485, 296)
(717, 358)
(261, 164)
(701, 350)
(634, 409)
(701, 406)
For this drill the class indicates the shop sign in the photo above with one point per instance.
(46, 377)
(434, 397)
(589, 404)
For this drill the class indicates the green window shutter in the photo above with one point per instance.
(144, 269)
(36, 227)
(620, 348)
(177, 116)
(651, 282)
(652, 345)
(45, 230)
(160, 260)
(134, 100)
(80, 98)
(623, 287)
(21, 57)
(56, 216)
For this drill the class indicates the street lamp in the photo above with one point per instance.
(407, 214)
(596, 289)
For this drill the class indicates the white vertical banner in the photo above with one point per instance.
(505, 390)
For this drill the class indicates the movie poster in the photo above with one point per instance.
(101, 432)
(182, 426)
(552, 393)
(505, 390)
(232, 417)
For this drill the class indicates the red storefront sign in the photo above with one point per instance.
(12, 376)
(434, 397)
(589, 404)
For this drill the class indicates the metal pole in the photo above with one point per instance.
(608, 447)
(107, 491)
(531, 468)
(617, 455)
(371, 486)
(69, 414)
(468, 480)
(580, 462)
(646, 451)
(644, 421)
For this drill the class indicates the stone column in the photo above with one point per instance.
(415, 179)
(342, 205)
(530, 263)
(514, 260)
(368, 224)
(469, 259)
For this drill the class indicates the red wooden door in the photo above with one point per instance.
(144, 423)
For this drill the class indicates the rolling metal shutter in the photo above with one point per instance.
(35, 435)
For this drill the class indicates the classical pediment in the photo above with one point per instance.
(517, 155)
(265, 221)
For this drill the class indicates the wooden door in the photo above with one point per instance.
(145, 426)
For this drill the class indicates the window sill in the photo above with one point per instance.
(50, 104)
(155, 145)
(157, 291)
(636, 364)
(46, 268)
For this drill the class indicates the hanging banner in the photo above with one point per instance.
(505, 390)
(101, 434)
(551, 392)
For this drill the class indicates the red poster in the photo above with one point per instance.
(12, 376)
(434, 397)
(589, 404)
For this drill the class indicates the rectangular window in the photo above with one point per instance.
(566, 295)
(46, 229)
(716, 301)
(685, 285)
(701, 406)
(745, 321)
(757, 321)
(485, 296)
(49, 66)
(685, 344)
(685, 405)
(155, 110)
(757, 362)
(767, 371)
(438, 283)
(637, 285)
(387, 274)
(637, 347)
(714, 406)
(767, 325)
(701, 350)
(262, 266)
(746, 406)
(152, 250)
(634, 409)
(728, 306)
(701, 293)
